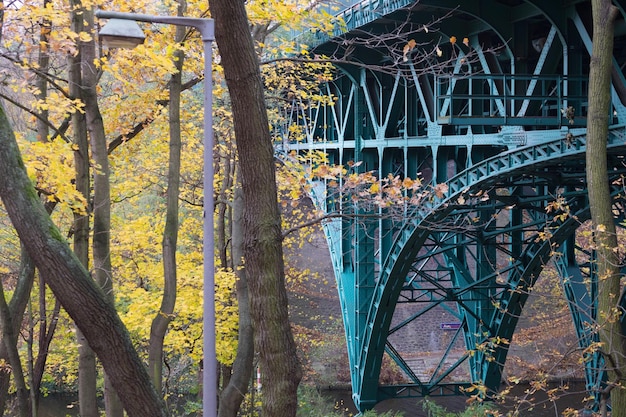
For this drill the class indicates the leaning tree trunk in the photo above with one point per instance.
(614, 343)
(280, 368)
(71, 283)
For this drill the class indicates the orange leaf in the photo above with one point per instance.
(407, 48)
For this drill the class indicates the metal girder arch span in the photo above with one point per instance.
(475, 121)
(410, 239)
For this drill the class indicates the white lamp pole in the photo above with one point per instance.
(206, 29)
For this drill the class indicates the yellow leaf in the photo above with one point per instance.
(407, 48)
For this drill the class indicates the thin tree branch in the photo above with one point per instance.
(60, 132)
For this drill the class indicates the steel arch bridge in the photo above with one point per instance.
(485, 100)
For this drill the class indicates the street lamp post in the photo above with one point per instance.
(206, 29)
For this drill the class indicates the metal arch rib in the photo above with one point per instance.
(411, 237)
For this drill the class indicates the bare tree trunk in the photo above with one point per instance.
(281, 372)
(46, 334)
(36, 366)
(614, 343)
(43, 61)
(71, 283)
(102, 190)
(10, 341)
(17, 306)
(31, 360)
(170, 234)
(235, 390)
(223, 226)
(87, 373)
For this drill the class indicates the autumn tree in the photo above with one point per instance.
(262, 247)
(76, 91)
(13, 312)
(72, 284)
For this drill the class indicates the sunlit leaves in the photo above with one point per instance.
(227, 317)
(50, 166)
(560, 207)
(291, 17)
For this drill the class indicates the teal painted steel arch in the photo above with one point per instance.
(411, 238)
(400, 123)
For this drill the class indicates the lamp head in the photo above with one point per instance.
(121, 33)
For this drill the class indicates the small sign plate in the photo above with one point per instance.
(450, 326)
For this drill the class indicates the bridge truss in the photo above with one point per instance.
(487, 99)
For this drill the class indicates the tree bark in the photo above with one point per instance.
(46, 334)
(223, 227)
(280, 368)
(163, 318)
(87, 373)
(235, 390)
(101, 190)
(43, 62)
(614, 343)
(9, 338)
(71, 283)
(17, 306)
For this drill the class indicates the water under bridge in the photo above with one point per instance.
(487, 100)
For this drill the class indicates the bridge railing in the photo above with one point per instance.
(505, 99)
(349, 15)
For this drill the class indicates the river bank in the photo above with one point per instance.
(521, 398)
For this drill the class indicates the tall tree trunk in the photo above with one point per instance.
(227, 161)
(87, 374)
(43, 62)
(17, 307)
(101, 190)
(36, 365)
(31, 361)
(235, 390)
(10, 342)
(46, 334)
(170, 234)
(80, 296)
(280, 368)
(609, 313)
(223, 220)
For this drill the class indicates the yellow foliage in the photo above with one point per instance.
(227, 317)
(51, 167)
